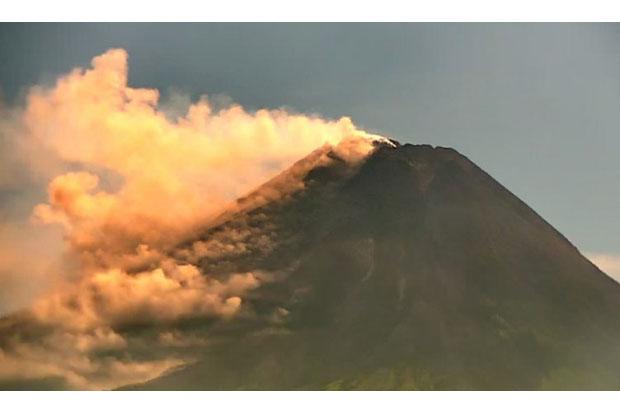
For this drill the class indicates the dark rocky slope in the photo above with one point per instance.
(416, 270)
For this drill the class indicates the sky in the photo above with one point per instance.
(535, 105)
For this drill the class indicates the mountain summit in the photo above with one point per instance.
(413, 269)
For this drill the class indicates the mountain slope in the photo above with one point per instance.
(415, 270)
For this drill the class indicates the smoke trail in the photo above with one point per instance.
(125, 183)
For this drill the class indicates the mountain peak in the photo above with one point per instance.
(413, 265)
(400, 267)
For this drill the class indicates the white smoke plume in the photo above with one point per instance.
(124, 183)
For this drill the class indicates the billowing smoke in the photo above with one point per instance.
(125, 183)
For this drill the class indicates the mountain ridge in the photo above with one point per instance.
(415, 269)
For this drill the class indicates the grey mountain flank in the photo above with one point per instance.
(413, 270)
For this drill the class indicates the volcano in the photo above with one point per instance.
(413, 269)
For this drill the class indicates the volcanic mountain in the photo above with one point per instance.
(413, 269)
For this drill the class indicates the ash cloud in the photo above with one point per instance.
(125, 185)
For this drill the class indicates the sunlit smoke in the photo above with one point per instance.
(125, 183)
